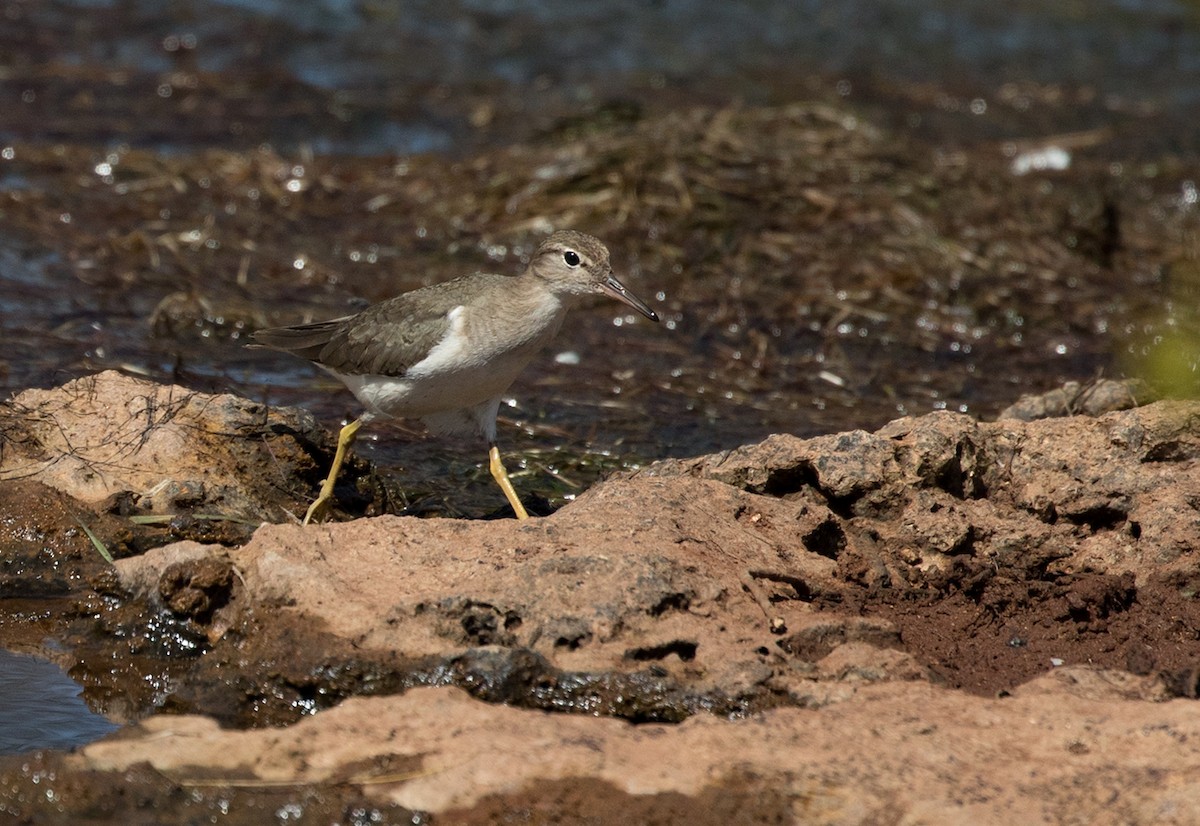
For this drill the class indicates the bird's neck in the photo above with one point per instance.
(535, 309)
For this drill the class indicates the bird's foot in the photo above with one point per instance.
(317, 511)
(501, 477)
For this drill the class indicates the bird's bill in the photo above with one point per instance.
(615, 289)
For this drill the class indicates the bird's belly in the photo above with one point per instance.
(430, 393)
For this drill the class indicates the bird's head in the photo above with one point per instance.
(574, 263)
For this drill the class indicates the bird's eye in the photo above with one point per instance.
(572, 258)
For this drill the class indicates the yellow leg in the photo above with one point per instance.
(317, 509)
(501, 477)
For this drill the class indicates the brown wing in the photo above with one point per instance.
(304, 340)
(387, 338)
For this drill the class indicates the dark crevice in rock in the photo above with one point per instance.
(827, 539)
(965, 546)
(961, 476)
(1172, 451)
(845, 505)
(569, 633)
(1100, 517)
(670, 602)
(784, 481)
(684, 649)
(484, 624)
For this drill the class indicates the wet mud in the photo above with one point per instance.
(40, 789)
(990, 631)
(982, 630)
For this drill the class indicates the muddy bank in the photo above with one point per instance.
(992, 615)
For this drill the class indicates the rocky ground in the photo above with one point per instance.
(943, 621)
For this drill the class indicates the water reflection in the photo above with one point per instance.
(40, 707)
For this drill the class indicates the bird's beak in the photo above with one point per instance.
(614, 288)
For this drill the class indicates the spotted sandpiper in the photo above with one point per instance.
(446, 353)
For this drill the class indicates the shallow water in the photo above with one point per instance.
(416, 80)
(337, 77)
(41, 707)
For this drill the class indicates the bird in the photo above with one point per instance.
(447, 353)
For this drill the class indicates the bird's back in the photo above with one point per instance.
(387, 338)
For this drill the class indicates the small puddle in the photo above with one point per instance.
(40, 707)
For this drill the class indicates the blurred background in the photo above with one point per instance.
(845, 212)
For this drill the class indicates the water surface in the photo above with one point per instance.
(41, 707)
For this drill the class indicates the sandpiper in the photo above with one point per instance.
(446, 353)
